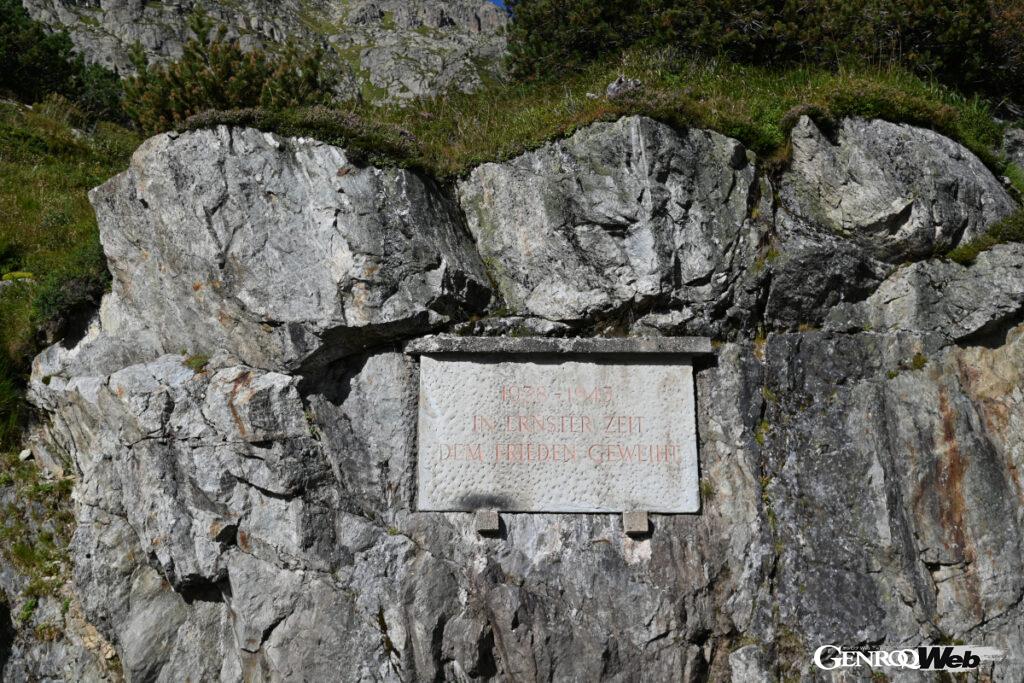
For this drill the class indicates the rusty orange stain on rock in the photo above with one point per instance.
(989, 378)
(223, 318)
(951, 468)
(242, 381)
(987, 388)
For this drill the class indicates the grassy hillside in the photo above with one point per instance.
(753, 104)
(974, 45)
(49, 249)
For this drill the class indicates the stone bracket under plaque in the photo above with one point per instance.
(636, 524)
(487, 522)
(534, 424)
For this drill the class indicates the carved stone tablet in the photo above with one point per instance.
(555, 432)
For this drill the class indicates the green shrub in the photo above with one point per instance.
(10, 255)
(974, 44)
(28, 609)
(98, 91)
(1009, 229)
(12, 404)
(35, 62)
(548, 36)
(215, 73)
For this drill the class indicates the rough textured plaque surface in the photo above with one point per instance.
(557, 433)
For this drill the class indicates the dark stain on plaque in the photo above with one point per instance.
(483, 501)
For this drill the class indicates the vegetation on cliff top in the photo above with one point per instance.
(722, 69)
(722, 66)
(216, 73)
(447, 136)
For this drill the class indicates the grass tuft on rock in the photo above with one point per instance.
(367, 141)
(197, 362)
(36, 524)
(1009, 229)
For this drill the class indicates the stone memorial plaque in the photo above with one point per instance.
(530, 427)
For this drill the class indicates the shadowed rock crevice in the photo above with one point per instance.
(205, 592)
(995, 333)
(7, 634)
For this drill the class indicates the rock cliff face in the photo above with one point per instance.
(241, 419)
(391, 49)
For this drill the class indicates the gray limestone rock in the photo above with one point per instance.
(619, 218)
(1013, 146)
(748, 665)
(900, 192)
(901, 474)
(252, 515)
(809, 270)
(284, 254)
(43, 637)
(622, 86)
(945, 299)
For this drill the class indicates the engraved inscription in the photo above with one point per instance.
(547, 434)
